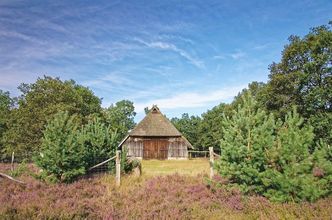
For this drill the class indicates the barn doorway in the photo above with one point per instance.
(155, 149)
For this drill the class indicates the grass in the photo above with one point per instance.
(183, 167)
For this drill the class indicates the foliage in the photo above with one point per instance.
(120, 117)
(62, 153)
(67, 151)
(304, 78)
(210, 129)
(247, 136)
(271, 158)
(257, 90)
(22, 168)
(322, 123)
(6, 104)
(289, 167)
(128, 164)
(289, 176)
(39, 102)
(146, 110)
(188, 126)
(322, 158)
(98, 140)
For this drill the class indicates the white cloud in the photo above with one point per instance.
(168, 46)
(115, 78)
(191, 99)
(219, 57)
(238, 55)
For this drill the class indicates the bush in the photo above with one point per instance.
(22, 168)
(289, 175)
(62, 153)
(68, 152)
(99, 142)
(128, 164)
(273, 158)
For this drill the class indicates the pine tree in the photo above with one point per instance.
(322, 158)
(62, 154)
(98, 140)
(289, 177)
(248, 135)
(272, 158)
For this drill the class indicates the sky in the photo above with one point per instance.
(184, 56)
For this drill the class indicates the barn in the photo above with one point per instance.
(155, 137)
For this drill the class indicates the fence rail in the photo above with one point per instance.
(197, 153)
(117, 158)
(102, 163)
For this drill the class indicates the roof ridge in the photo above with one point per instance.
(155, 124)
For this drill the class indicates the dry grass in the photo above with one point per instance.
(183, 167)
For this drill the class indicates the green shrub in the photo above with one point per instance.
(62, 153)
(129, 163)
(68, 152)
(289, 175)
(248, 135)
(273, 158)
(22, 168)
(322, 158)
(99, 142)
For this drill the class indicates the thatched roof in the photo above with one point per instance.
(155, 124)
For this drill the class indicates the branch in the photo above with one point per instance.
(11, 178)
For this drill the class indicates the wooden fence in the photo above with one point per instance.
(117, 159)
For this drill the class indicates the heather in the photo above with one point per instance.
(173, 196)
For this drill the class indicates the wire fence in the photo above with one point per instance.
(201, 153)
(14, 158)
(105, 168)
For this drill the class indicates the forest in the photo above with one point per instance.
(274, 138)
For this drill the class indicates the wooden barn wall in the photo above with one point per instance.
(177, 147)
(134, 147)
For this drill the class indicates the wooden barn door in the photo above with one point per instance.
(155, 149)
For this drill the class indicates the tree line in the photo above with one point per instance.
(302, 78)
(23, 119)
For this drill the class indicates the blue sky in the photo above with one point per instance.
(185, 56)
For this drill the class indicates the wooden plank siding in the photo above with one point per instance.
(156, 147)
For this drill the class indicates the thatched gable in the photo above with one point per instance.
(155, 124)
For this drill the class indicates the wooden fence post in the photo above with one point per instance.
(12, 163)
(118, 168)
(211, 162)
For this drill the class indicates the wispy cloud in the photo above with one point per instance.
(192, 99)
(238, 55)
(235, 55)
(219, 57)
(172, 47)
(109, 80)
